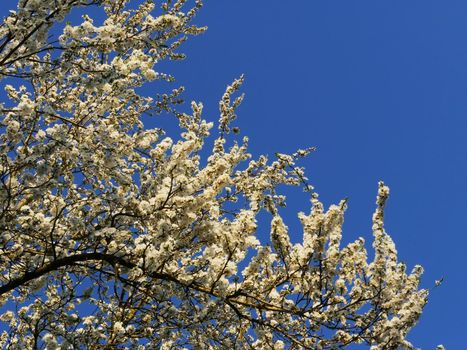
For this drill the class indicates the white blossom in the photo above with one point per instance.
(122, 236)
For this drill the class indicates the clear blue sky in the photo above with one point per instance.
(380, 87)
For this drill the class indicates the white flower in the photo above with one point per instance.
(26, 106)
(150, 74)
(12, 127)
(40, 135)
(50, 341)
(279, 345)
(88, 320)
(165, 21)
(118, 327)
(7, 316)
(144, 206)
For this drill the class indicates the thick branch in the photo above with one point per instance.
(71, 260)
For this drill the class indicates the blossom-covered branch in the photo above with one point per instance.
(116, 235)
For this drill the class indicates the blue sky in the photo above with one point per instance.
(380, 88)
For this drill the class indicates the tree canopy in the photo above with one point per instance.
(115, 235)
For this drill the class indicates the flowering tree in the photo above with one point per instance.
(114, 235)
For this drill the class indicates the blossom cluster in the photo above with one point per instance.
(114, 235)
